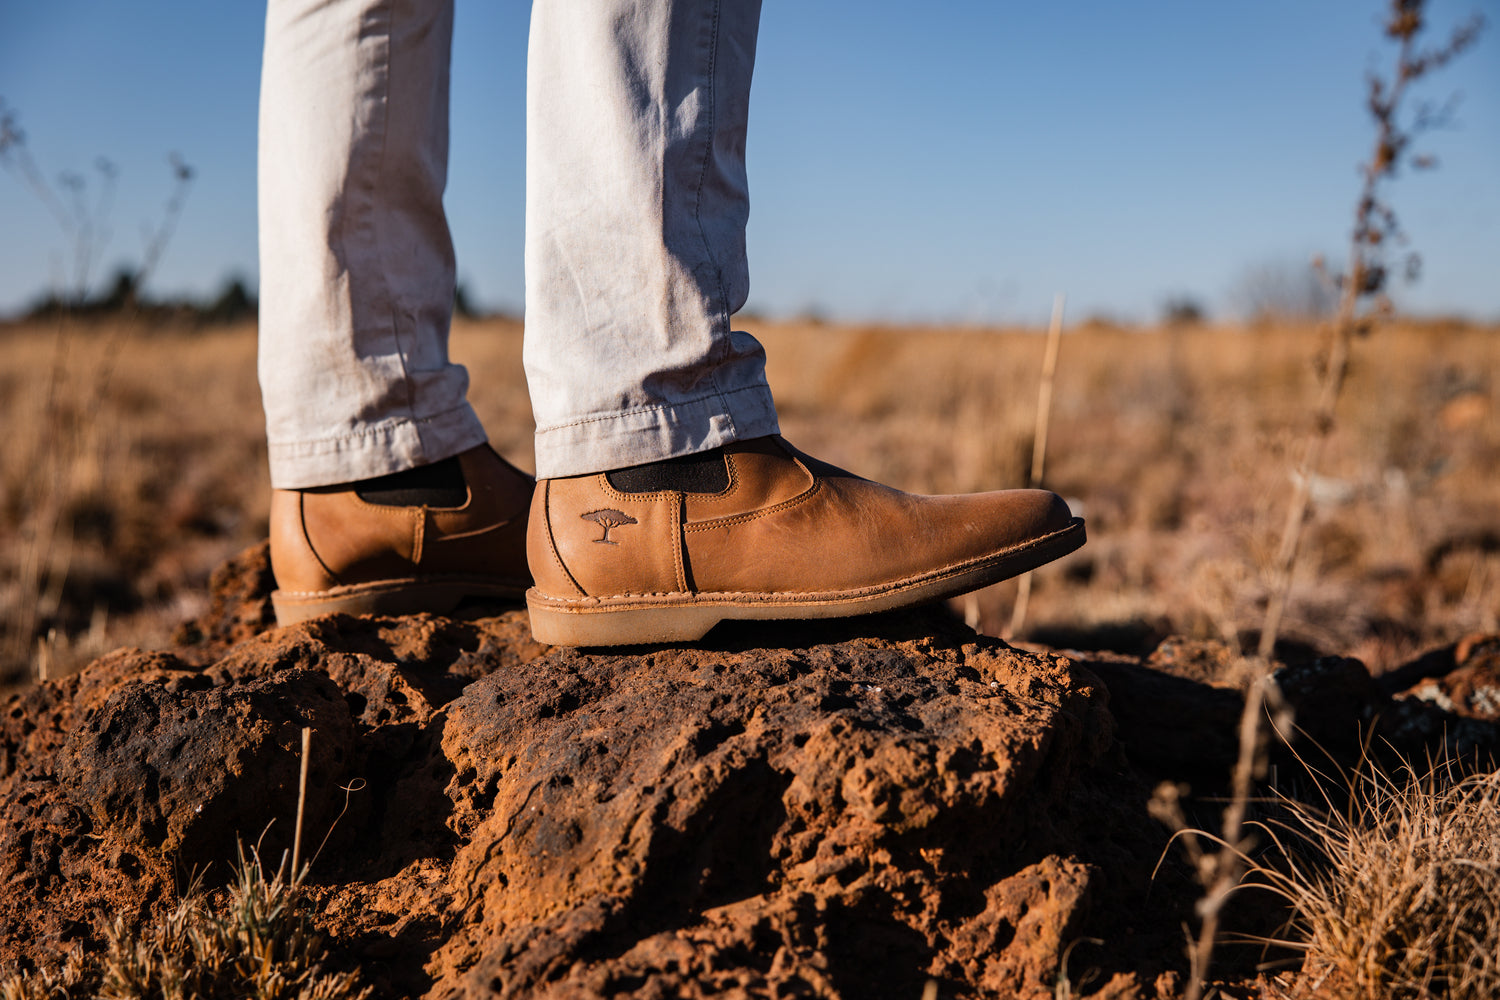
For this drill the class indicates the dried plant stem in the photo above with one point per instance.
(1223, 871)
(1375, 228)
(301, 808)
(1345, 325)
(156, 245)
(71, 439)
(1044, 395)
(1039, 445)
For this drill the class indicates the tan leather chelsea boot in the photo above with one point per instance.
(662, 553)
(404, 543)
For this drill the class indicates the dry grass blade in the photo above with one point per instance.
(1039, 446)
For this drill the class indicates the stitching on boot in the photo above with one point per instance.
(679, 544)
(720, 522)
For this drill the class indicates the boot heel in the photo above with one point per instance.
(389, 597)
(618, 626)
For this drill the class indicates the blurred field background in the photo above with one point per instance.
(134, 463)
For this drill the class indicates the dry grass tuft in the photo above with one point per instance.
(1395, 896)
(258, 941)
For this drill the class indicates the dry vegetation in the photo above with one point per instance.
(1178, 445)
(1396, 894)
(131, 466)
(126, 482)
(252, 939)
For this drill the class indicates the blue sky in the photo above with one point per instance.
(959, 164)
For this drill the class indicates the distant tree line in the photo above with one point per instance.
(232, 303)
(122, 297)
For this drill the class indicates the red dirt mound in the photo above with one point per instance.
(846, 809)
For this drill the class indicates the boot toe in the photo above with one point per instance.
(1035, 513)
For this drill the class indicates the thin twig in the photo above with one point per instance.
(301, 806)
(1375, 229)
(1039, 445)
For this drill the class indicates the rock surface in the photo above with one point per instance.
(847, 809)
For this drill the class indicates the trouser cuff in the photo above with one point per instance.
(653, 433)
(392, 446)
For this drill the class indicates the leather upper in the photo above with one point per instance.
(785, 524)
(328, 537)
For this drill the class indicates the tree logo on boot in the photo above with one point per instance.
(607, 519)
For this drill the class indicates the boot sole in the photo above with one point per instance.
(390, 597)
(667, 618)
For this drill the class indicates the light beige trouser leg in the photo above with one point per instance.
(636, 208)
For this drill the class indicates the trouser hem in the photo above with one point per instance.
(650, 434)
(378, 450)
